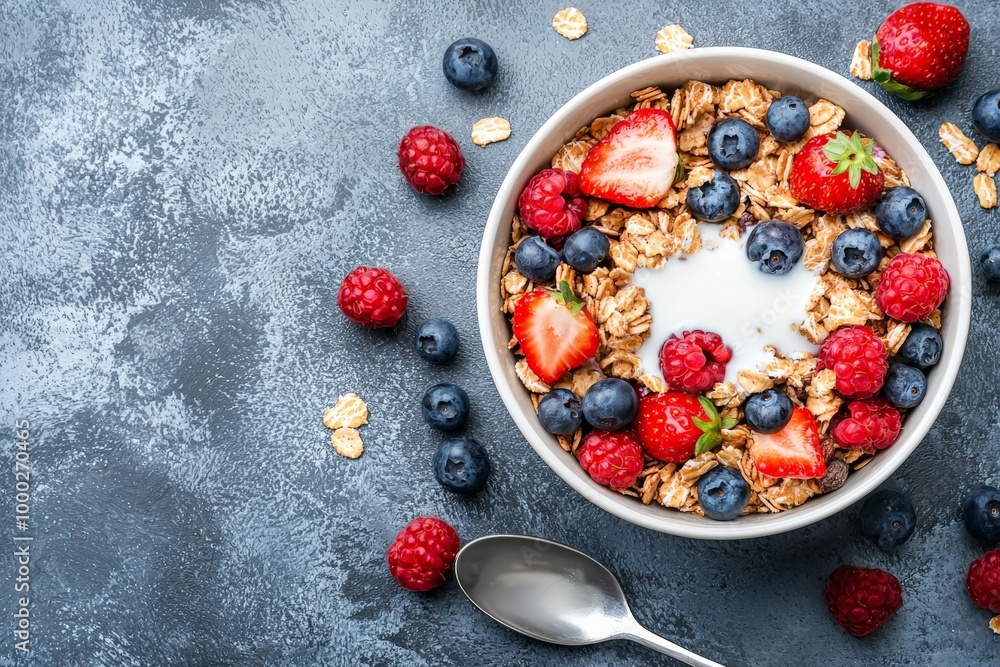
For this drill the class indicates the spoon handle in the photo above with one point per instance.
(648, 639)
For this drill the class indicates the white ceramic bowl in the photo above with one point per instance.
(790, 76)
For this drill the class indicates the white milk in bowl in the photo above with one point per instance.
(718, 289)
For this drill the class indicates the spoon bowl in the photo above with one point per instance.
(554, 593)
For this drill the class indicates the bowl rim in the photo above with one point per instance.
(497, 354)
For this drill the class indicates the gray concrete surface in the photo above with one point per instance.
(182, 186)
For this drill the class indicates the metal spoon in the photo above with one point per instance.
(554, 593)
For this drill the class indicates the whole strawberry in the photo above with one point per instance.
(674, 426)
(372, 297)
(694, 362)
(871, 422)
(551, 203)
(430, 160)
(862, 599)
(919, 48)
(912, 286)
(422, 553)
(611, 458)
(983, 581)
(858, 358)
(837, 173)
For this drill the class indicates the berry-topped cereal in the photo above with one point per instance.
(713, 281)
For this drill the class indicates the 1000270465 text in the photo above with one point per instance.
(22, 540)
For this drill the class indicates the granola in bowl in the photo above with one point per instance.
(596, 232)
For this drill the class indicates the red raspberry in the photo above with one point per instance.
(862, 599)
(911, 287)
(422, 553)
(983, 581)
(858, 359)
(372, 297)
(430, 159)
(611, 459)
(694, 362)
(871, 422)
(551, 203)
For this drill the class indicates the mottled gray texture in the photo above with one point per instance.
(182, 186)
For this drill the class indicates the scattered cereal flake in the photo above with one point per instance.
(995, 624)
(753, 382)
(962, 148)
(986, 190)
(988, 161)
(823, 403)
(673, 38)
(824, 117)
(528, 378)
(349, 411)
(861, 62)
(919, 241)
(896, 335)
(581, 379)
(725, 395)
(649, 487)
(570, 23)
(570, 158)
(489, 130)
(674, 491)
(347, 442)
(601, 126)
(653, 383)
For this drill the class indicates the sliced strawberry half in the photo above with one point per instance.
(794, 451)
(635, 164)
(556, 334)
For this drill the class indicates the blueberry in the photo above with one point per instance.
(445, 406)
(776, 245)
(856, 253)
(610, 404)
(733, 144)
(888, 519)
(922, 347)
(768, 411)
(437, 340)
(986, 115)
(560, 412)
(982, 514)
(585, 249)
(715, 200)
(901, 213)
(787, 118)
(535, 260)
(722, 493)
(461, 464)
(470, 64)
(989, 262)
(905, 386)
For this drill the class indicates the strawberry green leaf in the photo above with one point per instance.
(565, 295)
(707, 442)
(711, 428)
(729, 422)
(710, 410)
(854, 175)
(852, 154)
(680, 173)
(702, 424)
